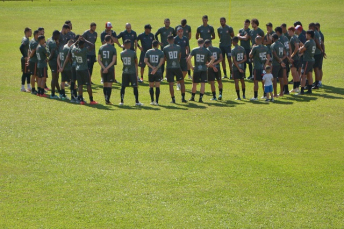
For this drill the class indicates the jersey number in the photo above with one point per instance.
(38, 56)
(286, 44)
(106, 54)
(79, 59)
(126, 60)
(313, 49)
(215, 55)
(280, 51)
(240, 56)
(262, 55)
(199, 58)
(154, 59)
(173, 55)
(62, 56)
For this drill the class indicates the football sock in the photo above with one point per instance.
(201, 96)
(28, 78)
(255, 94)
(225, 72)
(173, 99)
(23, 79)
(53, 93)
(214, 94)
(136, 93)
(38, 90)
(220, 91)
(151, 92)
(316, 83)
(91, 98)
(250, 67)
(294, 85)
(183, 96)
(72, 86)
(238, 93)
(122, 94)
(157, 93)
(193, 95)
(109, 92)
(243, 92)
(189, 72)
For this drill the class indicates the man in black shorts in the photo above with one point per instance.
(146, 39)
(91, 35)
(154, 58)
(65, 67)
(214, 71)
(225, 33)
(318, 55)
(279, 54)
(244, 38)
(42, 55)
(24, 49)
(183, 42)
(239, 59)
(33, 62)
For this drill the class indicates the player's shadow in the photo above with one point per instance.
(281, 102)
(128, 107)
(227, 103)
(333, 90)
(169, 107)
(301, 98)
(193, 105)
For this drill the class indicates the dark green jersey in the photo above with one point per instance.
(183, 43)
(32, 46)
(201, 57)
(216, 52)
(172, 53)
(286, 34)
(238, 53)
(107, 52)
(63, 55)
(266, 39)
(205, 32)
(186, 30)
(128, 58)
(91, 37)
(254, 33)
(293, 41)
(278, 48)
(245, 44)
(72, 53)
(104, 33)
(146, 40)
(164, 32)
(81, 58)
(225, 35)
(53, 49)
(25, 41)
(41, 54)
(317, 37)
(259, 53)
(284, 40)
(125, 35)
(308, 54)
(62, 41)
(322, 36)
(154, 57)
(70, 35)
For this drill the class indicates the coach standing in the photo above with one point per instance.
(146, 39)
(91, 36)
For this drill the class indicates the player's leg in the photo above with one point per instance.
(255, 87)
(90, 63)
(220, 85)
(142, 65)
(195, 81)
(296, 78)
(317, 72)
(310, 77)
(134, 84)
(223, 50)
(170, 79)
(87, 80)
(157, 79)
(204, 79)
(243, 86)
(229, 59)
(237, 89)
(212, 87)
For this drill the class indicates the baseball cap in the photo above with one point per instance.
(108, 25)
(179, 28)
(269, 24)
(298, 27)
(148, 26)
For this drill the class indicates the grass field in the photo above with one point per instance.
(218, 164)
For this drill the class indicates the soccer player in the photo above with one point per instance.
(71, 56)
(294, 59)
(24, 49)
(205, 31)
(308, 50)
(64, 67)
(129, 75)
(301, 33)
(107, 56)
(91, 36)
(317, 27)
(245, 43)
(317, 55)
(225, 34)
(173, 54)
(284, 40)
(214, 71)
(82, 74)
(183, 42)
(164, 32)
(53, 48)
(279, 54)
(285, 31)
(42, 57)
(239, 60)
(268, 36)
(203, 59)
(186, 33)
(154, 58)
(261, 58)
(63, 36)
(70, 34)
(40, 31)
(146, 38)
(33, 62)
(254, 32)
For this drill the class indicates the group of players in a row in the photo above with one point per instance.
(287, 50)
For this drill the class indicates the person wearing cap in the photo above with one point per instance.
(146, 38)
(186, 33)
(300, 32)
(214, 72)
(307, 50)
(284, 40)
(239, 59)
(70, 34)
(317, 27)
(33, 61)
(279, 54)
(268, 36)
(154, 58)
(245, 43)
(91, 35)
(294, 59)
(25, 50)
(317, 55)
(183, 42)
(203, 59)
(53, 47)
(225, 34)
(285, 31)
(65, 67)
(173, 54)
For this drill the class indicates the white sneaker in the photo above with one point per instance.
(152, 103)
(190, 77)
(254, 99)
(297, 90)
(165, 79)
(178, 86)
(121, 104)
(292, 91)
(101, 81)
(138, 104)
(23, 89)
(156, 104)
(263, 97)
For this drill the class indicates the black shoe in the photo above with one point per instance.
(115, 81)
(192, 99)
(92, 83)
(315, 87)
(173, 101)
(200, 101)
(34, 92)
(286, 93)
(184, 101)
(309, 92)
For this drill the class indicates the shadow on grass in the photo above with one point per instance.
(193, 105)
(333, 90)
(301, 98)
(144, 107)
(169, 107)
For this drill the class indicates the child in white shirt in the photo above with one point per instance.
(267, 80)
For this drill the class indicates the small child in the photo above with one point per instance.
(267, 80)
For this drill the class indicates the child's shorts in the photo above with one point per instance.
(268, 89)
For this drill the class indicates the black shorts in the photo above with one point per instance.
(258, 74)
(42, 72)
(318, 59)
(73, 74)
(183, 64)
(128, 79)
(277, 71)
(83, 77)
(307, 66)
(286, 62)
(53, 66)
(142, 59)
(33, 68)
(226, 51)
(212, 75)
(171, 72)
(295, 64)
(199, 77)
(238, 75)
(91, 59)
(24, 68)
(247, 55)
(66, 75)
(155, 78)
(108, 77)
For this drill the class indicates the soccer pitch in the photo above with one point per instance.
(219, 164)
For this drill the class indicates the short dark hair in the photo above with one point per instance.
(93, 24)
(284, 25)
(35, 32)
(311, 25)
(40, 28)
(267, 67)
(278, 29)
(183, 22)
(107, 38)
(170, 37)
(205, 17)
(275, 36)
(292, 28)
(27, 29)
(67, 22)
(310, 32)
(207, 42)
(155, 43)
(41, 37)
(77, 37)
(255, 21)
(222, 18)
(317, 24)
(81, 42)
(297, 23)
(127, 41)
(247, 21)
(65, 26)
(200, 41)
(166, 19)
(235, 39)
(56, 33)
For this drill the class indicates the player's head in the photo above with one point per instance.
(268, 69)
(128, 27)
(65, 28)
(310, 34)
(56, 35)
(247, 23)
(183, 22)
(155, 44)
(207, 43)
(205, 19)
(298, 29)
(297, 23)
(28, 32)
(108, 39)
(170, 39)
(70, 42)
(317, 26)
(108, 26)
(291, 31)
(127, 44)
(81, 43)
(311, 26)
(41, 39)
(180, 31)
(148, 28)
(259, 40)
(223, 21)
(284, 27)
(167, 22)
(235, 40)
(254, 23)
(93, 26)
(278, 30)
(274, 37)
(41, 31)
(35, 34)
(200, 42)
(269, 26)
(68, 22)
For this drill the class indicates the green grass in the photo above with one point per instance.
(222, 164)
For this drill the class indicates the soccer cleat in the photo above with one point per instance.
(53, 97)
(200, 101)
(165, 79)
(47, 89)
(250, 78)
(214, 99)
(308, 92)
(34, 92)
(287, 93)
(138, 104)
(142, 79)
(297, 90)
(72, 100)
(184, 101)
(254, 99)
(23, 90)
(64, 97)
(121, 104)
(224, 77)
(272, 100)
(173, 101)
(244, 97)
(315, 87)
(300, 93)
(263, 97)
(292, 91)
(192, 99)
(101, 81)
(238, 99)
(60, 96)
(94, 103)
(108, 103)
(190, 78)
(152, 103)
(231, 77)
(139, 80)
(220, 97)
(28, 90)
(82, 103)
(44, 95)
(267, 100)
